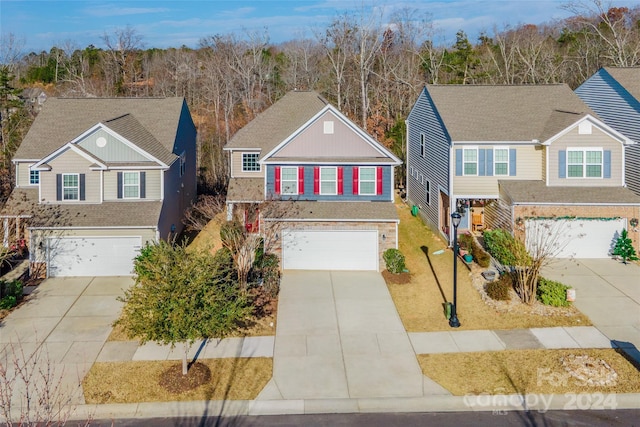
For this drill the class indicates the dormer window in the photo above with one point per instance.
(250, 162)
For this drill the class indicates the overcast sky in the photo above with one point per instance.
(41, 24)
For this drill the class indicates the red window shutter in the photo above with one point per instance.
(277, 172)
(316, 180)
(355, 180)
(301, 180)
(340, 179)
(379, 180)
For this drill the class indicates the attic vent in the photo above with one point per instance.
(328, 127)
(584, 128)
(101, 141)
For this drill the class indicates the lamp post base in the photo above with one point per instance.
(454, 322)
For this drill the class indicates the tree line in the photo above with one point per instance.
(371, 68)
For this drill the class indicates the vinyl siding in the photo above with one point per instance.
(597, 139)
(342, 142)
(528, 166)
(23, 174)
(347, 193)
(114, 151)
(70, 162)
(434, 166)
(236, 166)
(620, 110)
(152, 187)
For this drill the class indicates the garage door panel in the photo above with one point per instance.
(92, 256)
(577, 238)
(330, 250)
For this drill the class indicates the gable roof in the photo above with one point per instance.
(63, 119)
(627, 77)
(277, 122)
(506, 112)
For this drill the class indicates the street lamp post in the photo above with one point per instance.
(453, 320)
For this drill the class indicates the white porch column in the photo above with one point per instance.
(229, 211)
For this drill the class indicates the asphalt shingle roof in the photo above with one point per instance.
(278, 122)
(526, 191)
(506, 113)
(628, 77)
(333, 211)
(242, 190)
(64, 119)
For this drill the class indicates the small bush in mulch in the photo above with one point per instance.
(552, 293)
(173, 381)
(499, 289)
(480, 256)
(395, 260)
(396, 279)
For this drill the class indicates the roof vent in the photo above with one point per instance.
(328, 127)
(101, 141)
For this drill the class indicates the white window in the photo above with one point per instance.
(70, 186)
(250, 162)
(427, 196)
(584, 163)
(501, 161)
(183, 163)
(367, 181)
(329, 181)
(328, 127)
(130, 185)
(422, 145)
(34, 177)
(470, 161)
(289, 180)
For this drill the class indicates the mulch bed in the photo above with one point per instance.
(173, 381)
(396, 279)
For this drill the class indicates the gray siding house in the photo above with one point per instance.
(96, 179)
(315, 185)
(614, 94)
(518, 157)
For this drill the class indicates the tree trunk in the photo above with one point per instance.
(185, 365)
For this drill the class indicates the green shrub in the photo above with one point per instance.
(505, 248)
(552, 293)
(499, 289)
(480, 256)
(270, 271)
(394, 260)
(10, 294)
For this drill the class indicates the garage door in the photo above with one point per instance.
(577, 238)
(330, 250)
(92, 256)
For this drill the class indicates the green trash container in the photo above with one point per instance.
(415, 210)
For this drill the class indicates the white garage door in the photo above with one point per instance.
(92, 256)
(576, 238)
(330, 250)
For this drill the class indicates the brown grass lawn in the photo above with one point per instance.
(420, 302)
(523, 371)
(130, 382)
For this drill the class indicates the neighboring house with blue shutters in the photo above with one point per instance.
(515, 157)
(614, 94)
(98, 178)
(317, 187)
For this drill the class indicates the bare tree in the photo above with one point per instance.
(120, 57)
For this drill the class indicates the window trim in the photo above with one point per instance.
(465, 162)
(321, 180)
(257, 164)
(34, 177)
(183, 163)
(584, 163)
(125, 185)
(360, 180)
(427, 195)
(423, 147)
(496, 162)
(283, 181)
(70, 187)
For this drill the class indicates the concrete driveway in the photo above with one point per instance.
(339, 336)
(65, 323)
(607, 291)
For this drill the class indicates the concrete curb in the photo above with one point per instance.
(469, 403)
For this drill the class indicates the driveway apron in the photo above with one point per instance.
(339, 336)
(608, 292)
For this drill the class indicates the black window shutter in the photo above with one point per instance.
(59, 186)
(82, 181)
(119, 185)
(143, 185)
